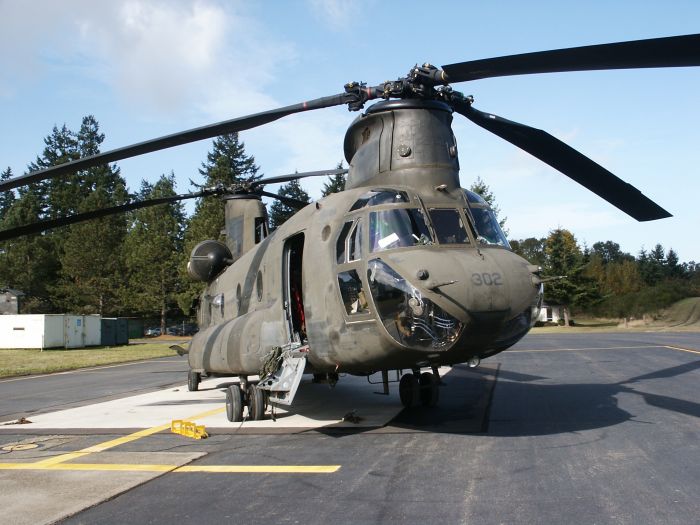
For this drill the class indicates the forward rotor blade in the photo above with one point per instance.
(675, 51)
(295, 176)
(177, 139)
(570, 162)
(41, 226)
(294, 203)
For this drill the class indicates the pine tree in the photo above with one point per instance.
(89, 281)
(335, 183)
(564, 259)
(481, 188)
(280, 212)
(153, 253)
(28, 263)
(7, 198)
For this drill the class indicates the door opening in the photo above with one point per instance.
(293, 287)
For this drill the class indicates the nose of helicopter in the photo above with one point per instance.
(489, 283)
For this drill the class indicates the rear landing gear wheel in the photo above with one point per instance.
(429, 389)
(409, 390)
(193, 379)
(256, 403)
(234, 403)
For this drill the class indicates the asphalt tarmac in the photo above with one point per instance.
(595, 428)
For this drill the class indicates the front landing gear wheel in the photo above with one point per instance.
(256, 403)
(193, 379)
(429, 389)
(234, 403)
(409, 390)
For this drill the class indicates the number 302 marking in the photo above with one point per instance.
(489, 279)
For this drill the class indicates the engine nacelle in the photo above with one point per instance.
(208, 259)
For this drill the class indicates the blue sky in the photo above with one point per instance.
(146, 69)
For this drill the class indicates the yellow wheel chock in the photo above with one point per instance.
(188, 429)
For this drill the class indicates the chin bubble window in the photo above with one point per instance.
(410, 319)
(352, 293)
(398, 228)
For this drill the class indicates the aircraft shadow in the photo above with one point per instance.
(526, 407)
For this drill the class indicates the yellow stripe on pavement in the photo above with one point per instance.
(222, 469)
(120, 441)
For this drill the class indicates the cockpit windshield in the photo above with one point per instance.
(398, 228)
(487, 228)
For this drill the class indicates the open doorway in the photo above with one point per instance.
(293, 287)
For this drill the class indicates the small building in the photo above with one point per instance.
(550, 313)
(10, 301)
(49, 331)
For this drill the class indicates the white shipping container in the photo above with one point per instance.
(49, 331)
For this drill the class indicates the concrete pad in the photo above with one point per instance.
(46, 496)
(315, 406)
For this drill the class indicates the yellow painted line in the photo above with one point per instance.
(119, 441)
(274, 469)
(682, 349)
(574, 349)
(221, 469)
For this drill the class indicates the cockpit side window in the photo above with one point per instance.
(449, 226)
(340, 245)
(380, 196)
(355, 242)
(398, 228)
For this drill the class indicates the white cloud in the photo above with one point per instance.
(338, 14)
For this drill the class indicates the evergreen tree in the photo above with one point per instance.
(88, 282)
(564, 259)
(28, 263)
(280, 212)
(481, 188)
(335, 184)
(153, 253)
(7, 198)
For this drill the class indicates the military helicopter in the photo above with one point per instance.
(404, 270)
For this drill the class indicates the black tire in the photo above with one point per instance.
(409, 390)
(256, 403)
(429, 389)
(193, 379)
(234, 403)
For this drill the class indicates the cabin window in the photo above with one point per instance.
(260, 229)
(352, 293)
(398, 228)
(449, 226)
(381, 196)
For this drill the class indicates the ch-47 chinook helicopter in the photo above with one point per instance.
(404, 270)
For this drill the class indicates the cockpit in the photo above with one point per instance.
(386, 219)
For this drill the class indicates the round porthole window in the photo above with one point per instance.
(259, 285)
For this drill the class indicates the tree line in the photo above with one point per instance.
(135, 264)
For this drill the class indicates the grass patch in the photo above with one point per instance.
(22, 362)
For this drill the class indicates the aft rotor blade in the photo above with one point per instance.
(675, 51)
(41, 226)
(293, 203)
(177, 139)
(570, 162)
(295, 176)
